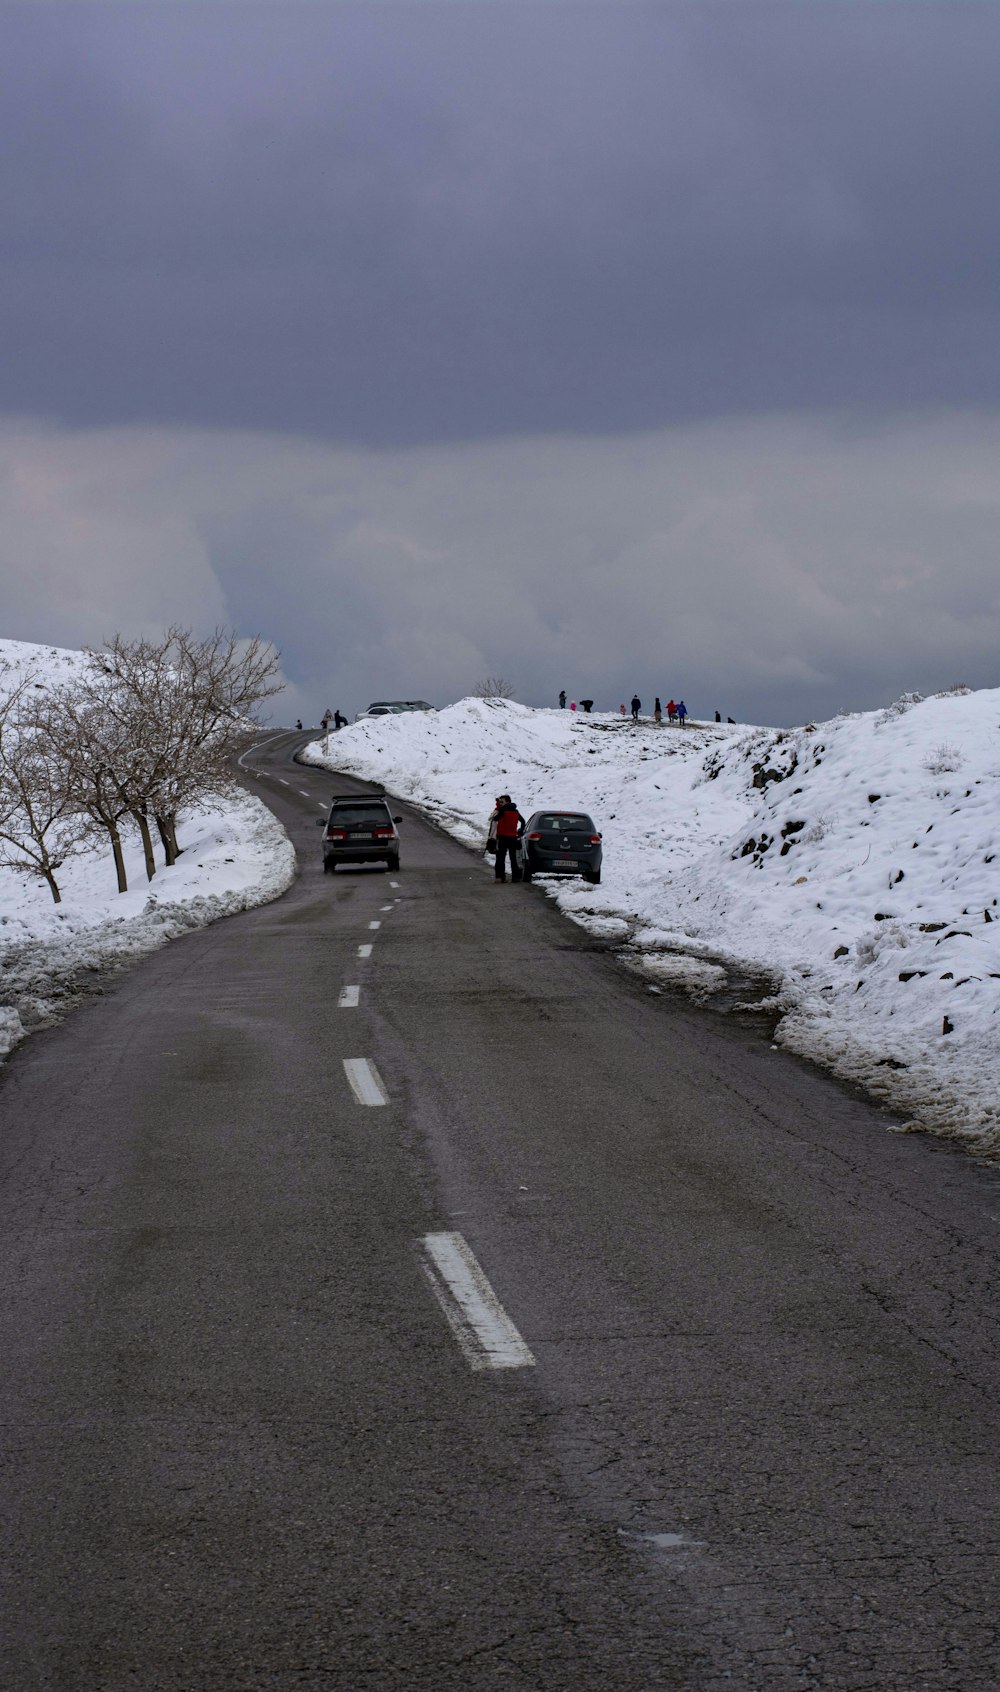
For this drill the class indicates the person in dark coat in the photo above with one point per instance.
(508, 827)
(718, 716)
(562, 699)
(636, 707)
(657, 710)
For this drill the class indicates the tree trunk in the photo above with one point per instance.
(53, 887)
(170, 840)
(142, 823)
(116, 847)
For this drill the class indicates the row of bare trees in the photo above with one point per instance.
(148, 730)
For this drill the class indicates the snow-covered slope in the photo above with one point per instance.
(850, 867)
(235, 855)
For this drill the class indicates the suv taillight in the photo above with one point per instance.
(336, 834)
(383, 833)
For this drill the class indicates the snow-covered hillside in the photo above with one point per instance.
(849, 868)
(236, 855)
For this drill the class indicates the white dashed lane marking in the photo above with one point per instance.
(304, 794)
(364, 951)
(374, 925)
(480, 1324)
(348, 998)
(366, 1082)
(394, 884)
(386, 907)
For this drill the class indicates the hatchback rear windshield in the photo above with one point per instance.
(359, 814)
(561, 823)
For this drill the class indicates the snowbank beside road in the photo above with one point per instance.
(851, 868)
(235, 855)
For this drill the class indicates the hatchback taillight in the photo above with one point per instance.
(534, 837)
(595, 840)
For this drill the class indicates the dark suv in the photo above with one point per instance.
(360, 831)
(561, 843)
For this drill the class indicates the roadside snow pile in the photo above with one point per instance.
(236, 855)
(850, 868)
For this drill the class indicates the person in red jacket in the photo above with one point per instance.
(509, 829)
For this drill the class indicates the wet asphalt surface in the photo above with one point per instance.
(758, 1448)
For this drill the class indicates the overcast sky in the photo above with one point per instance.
(601, 346)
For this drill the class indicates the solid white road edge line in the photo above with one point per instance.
(348, 998)
(485, 1333)
(365, 1080)
(364, 951)
(259, 748)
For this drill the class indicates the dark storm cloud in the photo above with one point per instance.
(393, 225)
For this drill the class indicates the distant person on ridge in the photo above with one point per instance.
(562, 699)
(339, 722)
(682, 712)
(657, 710)
(671, 712)
(636, 707)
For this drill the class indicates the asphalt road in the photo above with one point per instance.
(747, 1433)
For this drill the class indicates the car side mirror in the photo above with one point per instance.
(397, 819)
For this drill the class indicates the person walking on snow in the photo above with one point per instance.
(636, 707)
(509, 828)
(657, 710)
(671, 712)
(682, 712)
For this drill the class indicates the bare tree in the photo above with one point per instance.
(186, 706)
(88, 746)
(494, 687)
(216, 686)
(149, 729)
(38, 827)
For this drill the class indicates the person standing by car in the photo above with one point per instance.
(509, 829)
(491, 834)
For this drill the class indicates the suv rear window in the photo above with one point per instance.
(359, 814)
(564, 823)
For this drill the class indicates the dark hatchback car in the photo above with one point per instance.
(360, 831)
(562, 843)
